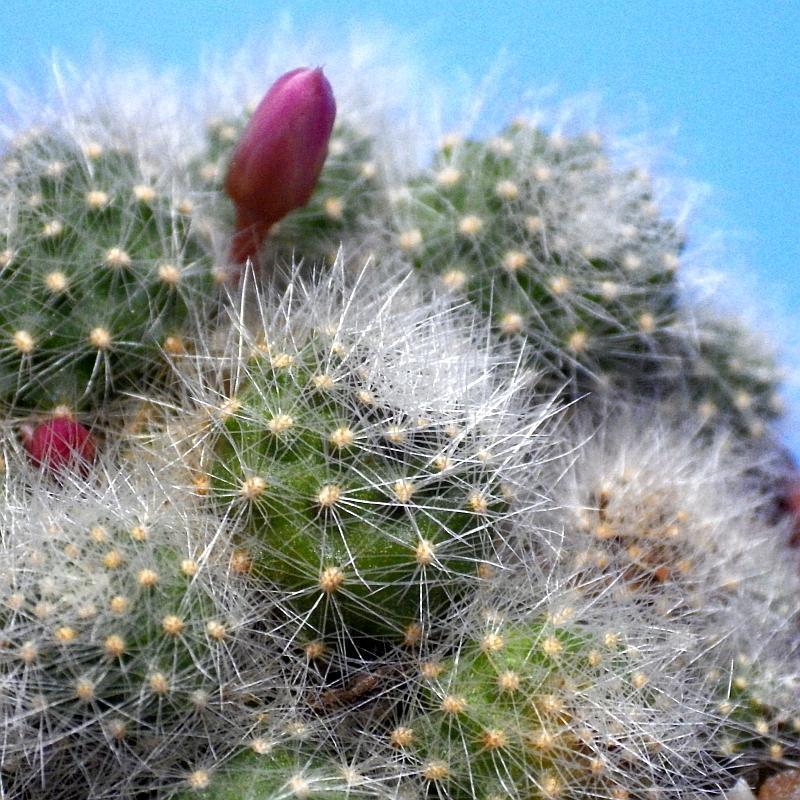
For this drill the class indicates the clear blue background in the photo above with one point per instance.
(727, 72)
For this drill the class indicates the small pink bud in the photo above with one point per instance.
(789, 502)
(277, 162)
(58, 444)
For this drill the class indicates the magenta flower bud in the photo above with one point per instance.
(790, 502)
(58, 444)
(277, 162)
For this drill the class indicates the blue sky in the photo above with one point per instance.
(724, 73)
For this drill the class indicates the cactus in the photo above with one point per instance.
(351, 527)
(270, 771)
(759, 712)
(129, 643)
(254, 776)
(665, 519)
(679, 518)
(367, 451)
(732, 376)
(544, 237)
(557, 705)
(101, 271)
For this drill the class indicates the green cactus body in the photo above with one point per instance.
(508, 223)
(532, 710)
(346, 194)
(99, 273)
(369, 519)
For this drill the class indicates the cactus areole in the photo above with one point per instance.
(277, 162)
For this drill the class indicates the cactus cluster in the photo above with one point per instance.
(452, 493)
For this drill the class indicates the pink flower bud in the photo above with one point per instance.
(790, 505)
(58, 444)
(277, 162)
